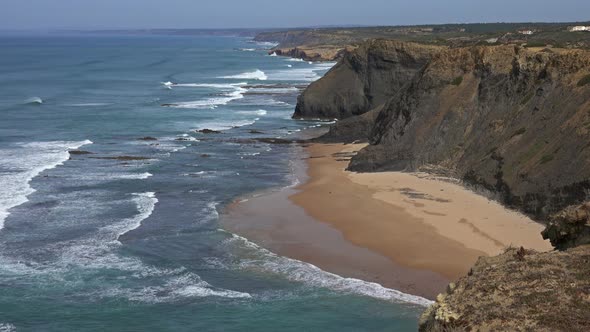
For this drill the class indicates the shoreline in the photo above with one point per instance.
(359, 225)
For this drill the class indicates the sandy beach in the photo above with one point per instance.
(408, 231)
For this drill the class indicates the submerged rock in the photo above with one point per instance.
(208, 131)
(124, 158)
(79, 152)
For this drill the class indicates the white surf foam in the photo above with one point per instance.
(6, 327)
(88, 105)
(255, 75)
(187, 285)
(295, 60)
(22, 163)
(267, 44)
(273, 54)
(225, 125)
(211, 85)
(274, 90)
(310, 274)
(34, 101)
(306, 74)
(259, 112)
(145, 203)
(214, 102)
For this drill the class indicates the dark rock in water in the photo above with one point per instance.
(278, 140)
(182, 139)
(168, 105)
(208, 131)
(254, 131)
(570, 227)
(124, 158)
(148, 138)
(204, 155)
(79, 152)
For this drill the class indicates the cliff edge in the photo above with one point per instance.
(513, 123)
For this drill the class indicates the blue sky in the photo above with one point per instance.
(92, 14)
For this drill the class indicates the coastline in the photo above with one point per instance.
(401, 230)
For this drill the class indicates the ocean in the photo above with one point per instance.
(123, 235)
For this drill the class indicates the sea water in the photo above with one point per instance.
(124, 234)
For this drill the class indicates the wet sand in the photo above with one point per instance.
(405, 231)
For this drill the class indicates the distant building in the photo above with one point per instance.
(492, 40)
(579, 28)
(526, 32)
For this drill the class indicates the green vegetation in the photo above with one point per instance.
(457, 80)
(527, 98)
(535, 44)
(585, 80)
(554, 34)
(519, 132)
(547, 158)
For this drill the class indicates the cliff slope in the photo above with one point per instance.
(519, 290)
(511, 120)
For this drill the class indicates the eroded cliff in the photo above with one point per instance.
(510, 121)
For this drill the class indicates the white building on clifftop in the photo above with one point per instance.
(579, 28)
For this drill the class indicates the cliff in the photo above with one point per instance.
(512, 122)
(520, 290)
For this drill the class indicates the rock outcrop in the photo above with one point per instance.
(510, 120)
(364, 79)
(314, 53)
(570, 227)
(519, 290)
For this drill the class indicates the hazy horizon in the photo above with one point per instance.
(265, 14)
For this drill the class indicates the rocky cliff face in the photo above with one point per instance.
(520, 290)
(364, 79)
(510, 120)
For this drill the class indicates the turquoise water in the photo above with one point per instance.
(89, 242)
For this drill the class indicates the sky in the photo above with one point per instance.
(104, 14)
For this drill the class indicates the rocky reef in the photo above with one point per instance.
(512, 123)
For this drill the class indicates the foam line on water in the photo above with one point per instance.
(23, 162)
(146, 203)
(312, 275)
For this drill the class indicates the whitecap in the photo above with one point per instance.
(34, 101)
(23, 163)
(214, 102)
(6, 327)
(255, 75)
(273, 54)
(258, 112)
